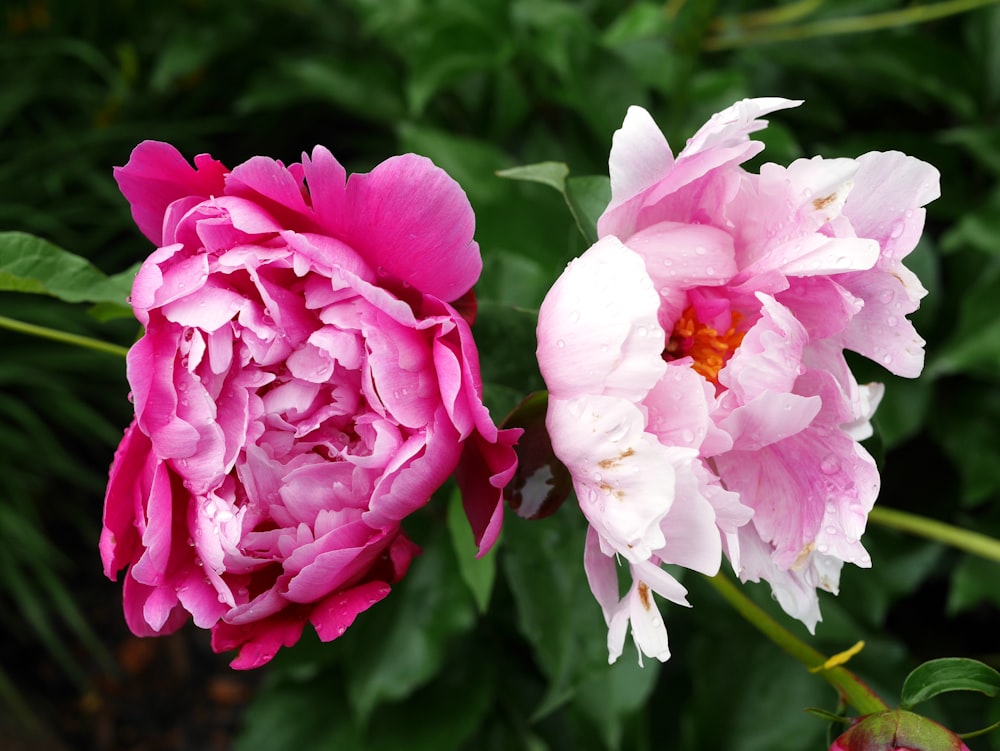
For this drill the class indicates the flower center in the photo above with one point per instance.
(709, 349)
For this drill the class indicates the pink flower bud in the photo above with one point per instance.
(897, 730)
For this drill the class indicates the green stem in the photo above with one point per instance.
(852, 25)
(62, 336)
(850, 687)
(963, 539)
(781, 14)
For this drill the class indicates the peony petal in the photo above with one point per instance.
(623, 476)
(156, 175)
(332, 617)
(597, 327)
(410, 220)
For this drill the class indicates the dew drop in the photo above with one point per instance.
(604, 348)
(831, 530)
(831, 507)
(710, 270)
(829, 465)
(641, 331)
(822, 547)
(886, 359)
(574, 316)
(598, 477)
(885, 296)
(667, 262)
(560, 344)
(892, 320)
(687, 436)
(897, 230)
(699, 250)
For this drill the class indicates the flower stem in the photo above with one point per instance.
(963, 539)
(850, 687)
(62, 336)
(851, 25)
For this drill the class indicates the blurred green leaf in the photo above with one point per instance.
(974, 345)
(553, 174)
(33, 265)
(973, 583)
(964, 422)
(586, 196)
(614, 696)
(948, 674)
(477, 573)
(401, 647)
(557, 613)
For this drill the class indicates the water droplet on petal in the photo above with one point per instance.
(700, 250)
(892, 320)
(687, 436)
(829, 465)
(560, 343)
(574, 316)
(822, 547)
(831, 530)
(886, 359)
(885, 296)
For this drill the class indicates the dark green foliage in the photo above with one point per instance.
(508, 652)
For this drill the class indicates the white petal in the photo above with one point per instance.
(597, 328)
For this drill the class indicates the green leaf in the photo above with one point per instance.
(613, 696)
(35, 266)
(586, 196)
(477, 573)
(403, 641)
(553, 174)
(471, 161)
(973, 582)
(557, 613)
(975, 343)
(948, 674)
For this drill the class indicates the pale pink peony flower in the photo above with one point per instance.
(694, 359)
(302, 386)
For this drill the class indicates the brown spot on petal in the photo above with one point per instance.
(821, 203)
(609, 463)
(609, 490)
(644, 597)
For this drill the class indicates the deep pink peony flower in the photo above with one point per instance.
(302, 386)
(694, 359)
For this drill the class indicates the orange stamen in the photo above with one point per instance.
(709, 349)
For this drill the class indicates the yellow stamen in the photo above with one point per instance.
(839, 659)
(709, 349)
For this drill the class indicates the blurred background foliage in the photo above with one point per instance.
(506, 652)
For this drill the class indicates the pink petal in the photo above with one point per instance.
(640, 157)
(332, 617)
(156, 175)
(411, 220)
(623, 476)
(258, 642)
(271, 189)
(327, 181)
(597, 328)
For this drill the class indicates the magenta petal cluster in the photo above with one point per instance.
(694, 357)
(303, 384)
